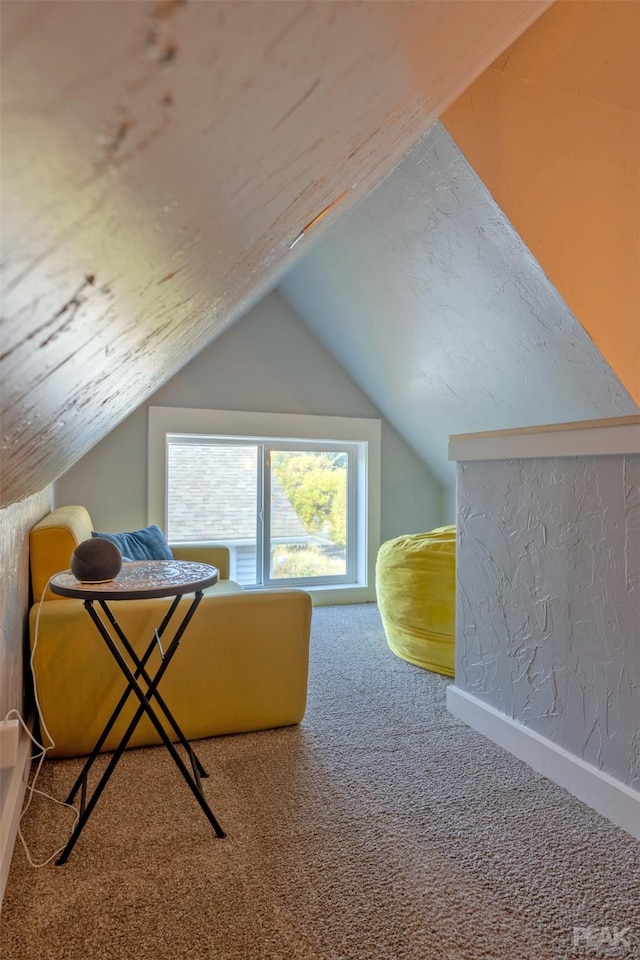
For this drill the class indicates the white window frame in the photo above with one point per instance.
(273, 427)
(356, 464)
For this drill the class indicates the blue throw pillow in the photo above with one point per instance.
(149, 543)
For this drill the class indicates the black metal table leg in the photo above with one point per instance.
(145, 706)
(120, 705)
(196, 765)
(198, 769)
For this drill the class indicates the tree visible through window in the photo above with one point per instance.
(282, 508)
(315, 484)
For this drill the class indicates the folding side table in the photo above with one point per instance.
(137, 581)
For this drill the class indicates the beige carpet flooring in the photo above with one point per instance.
(381, 828)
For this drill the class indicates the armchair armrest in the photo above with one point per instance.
(216, 556)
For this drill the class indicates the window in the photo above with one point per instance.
(283, 508)
(295, 498)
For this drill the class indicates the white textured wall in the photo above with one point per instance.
(432, 303)
(548, 612)
(15, 523)
(267, 361)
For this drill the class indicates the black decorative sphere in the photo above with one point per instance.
(95, 561)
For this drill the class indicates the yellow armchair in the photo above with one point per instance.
(242, 664)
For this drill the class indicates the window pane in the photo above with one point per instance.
(212, 494)
(308, 514)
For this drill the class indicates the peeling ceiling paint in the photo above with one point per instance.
(158, 160)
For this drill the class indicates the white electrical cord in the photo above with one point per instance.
(39, 757)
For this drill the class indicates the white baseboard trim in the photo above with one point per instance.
(12, 808)
(613, 799)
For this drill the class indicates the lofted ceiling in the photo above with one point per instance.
(159, 159)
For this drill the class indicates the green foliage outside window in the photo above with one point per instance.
(316, 486)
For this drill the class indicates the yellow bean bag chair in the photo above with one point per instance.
(415, 584)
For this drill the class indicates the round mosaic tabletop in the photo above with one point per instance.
(138, 580)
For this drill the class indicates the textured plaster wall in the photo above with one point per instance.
(553, 130)
(548, 603)
(15, 523)
(267, 361)
(433, 304)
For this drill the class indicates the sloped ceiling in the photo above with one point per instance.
(158, 160)
(433, 304)
(552, 128)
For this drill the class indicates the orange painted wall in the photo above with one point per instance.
(553, 130)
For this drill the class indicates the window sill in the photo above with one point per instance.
(331, 594)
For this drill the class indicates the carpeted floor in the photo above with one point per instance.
(382, 828)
